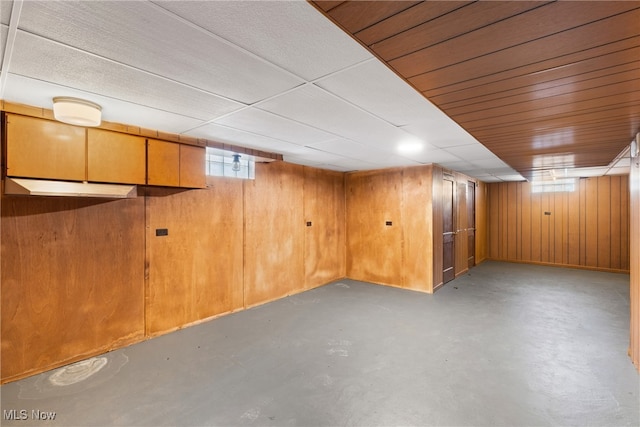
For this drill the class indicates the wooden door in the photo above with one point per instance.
(448, 229)
(471, 222)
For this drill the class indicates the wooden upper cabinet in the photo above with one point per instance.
(192, 166)
(39, 148)
(115, 157)
(163, 163)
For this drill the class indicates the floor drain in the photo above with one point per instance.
(77, 372)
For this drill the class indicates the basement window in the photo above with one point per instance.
(554, 186)
(221, 163)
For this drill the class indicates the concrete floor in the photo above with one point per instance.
(505, 345)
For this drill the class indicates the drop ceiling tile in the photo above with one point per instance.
(459, 166)
(349, 168)
(435, 156)
(315, 107)
(147, 37)
(27, 91)
(586, 172)
(232, 136)
(375, 88)
(473, 152)
(352, 150)
(44, 60)
(512, 177)
(291, 34)
(494, 163)
(319, 156)
(619, 170)
(5, 11)
(440, 131)
(623, 161)
(264, 123)
(4, 32)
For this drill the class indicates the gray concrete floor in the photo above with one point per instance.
(505, 345)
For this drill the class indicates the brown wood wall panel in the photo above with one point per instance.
(403, 253)
(73, 273)
(325, 239)
(634, 232)
(624, 223)
(374, 249)
(578, 232)
(417, 229)
(274, 233)
(481, 222)
(616, 219)
(461, 238)
(195, 272)
(72, 280)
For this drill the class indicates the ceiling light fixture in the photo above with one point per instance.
(75, 111)
(236, 163)
(410, 147)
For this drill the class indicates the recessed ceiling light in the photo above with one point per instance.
(410, 147)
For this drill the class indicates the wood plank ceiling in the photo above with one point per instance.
(544, 85)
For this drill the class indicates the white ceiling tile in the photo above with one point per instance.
(291, 34)
(5, 11)
(459, 166)
(435, 156)
(490, 163)
(440, 131)
(377, 89)
(27, 91)
(4, 33)
(490, 179)
(511, 177)
(40, 59)
(621, 170)
(315, 107)
(473, 152)
(623, 161)
(319, 156)
(268, 124)
(145, 36)
(233, 136)
(351, 149)
(586, 172)
(338, 168)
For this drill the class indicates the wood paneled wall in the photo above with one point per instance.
(196, 271)
(274, 233)
(72, 280)
(634, 187)
(588, 227)
(81, 276)
(325, 238)
(396, 254)
(481, 222)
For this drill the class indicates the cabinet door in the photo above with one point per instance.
(192, 167)
(115, 157)
(39, 148)
(163, 163)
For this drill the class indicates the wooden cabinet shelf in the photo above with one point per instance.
(115, 157)
(46, 149)
(38, 148)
